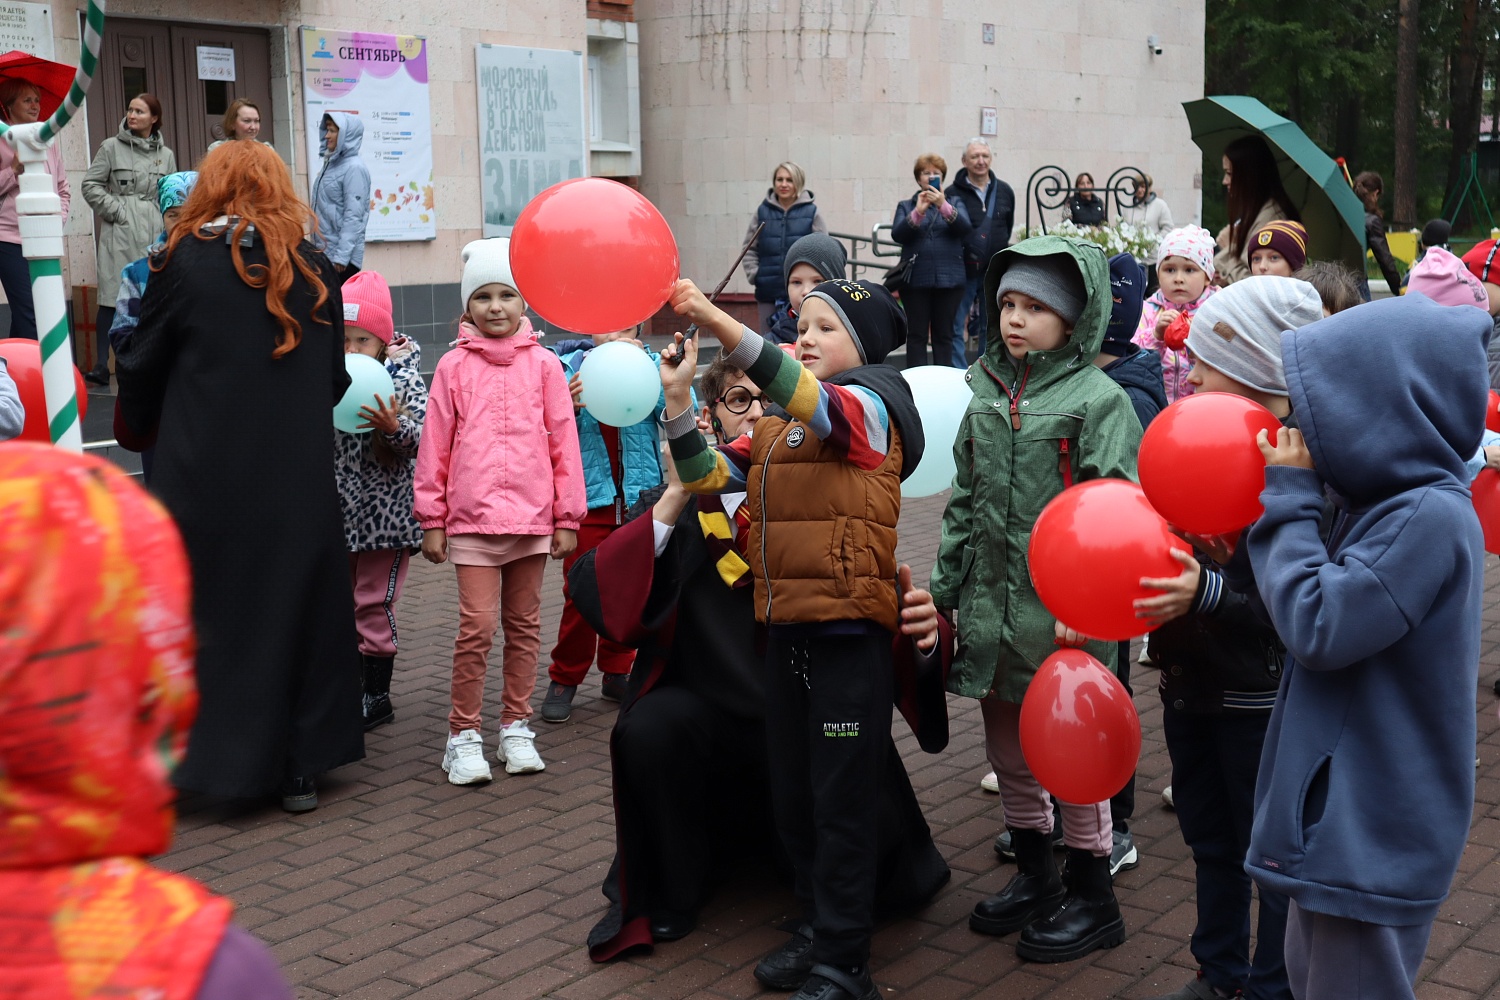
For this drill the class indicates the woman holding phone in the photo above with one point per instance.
(931, 231)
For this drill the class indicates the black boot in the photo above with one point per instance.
(378, 709)
(1088, 919)
(788, 967)
(1035, 889)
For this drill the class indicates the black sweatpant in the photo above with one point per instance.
(934, 309)
(828, 746)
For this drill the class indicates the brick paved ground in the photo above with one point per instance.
(402, 885)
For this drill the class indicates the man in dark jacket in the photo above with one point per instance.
(1366, 787)
(991, 205)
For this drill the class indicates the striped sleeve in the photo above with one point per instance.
(850, 419)
(703, 469)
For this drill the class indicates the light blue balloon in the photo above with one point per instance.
(367, 379)
(942, 395)
(620, 383)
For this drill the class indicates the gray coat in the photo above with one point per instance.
(121, 187)
(341, 194)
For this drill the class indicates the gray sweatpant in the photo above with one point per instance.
(1334, 958)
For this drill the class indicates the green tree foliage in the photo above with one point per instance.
(1330, 66)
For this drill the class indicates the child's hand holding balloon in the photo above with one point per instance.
(1177, 594)
(386, 420)
(1289, 449)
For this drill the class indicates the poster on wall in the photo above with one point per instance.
(531, 127)
(381, 79)
(28, 27)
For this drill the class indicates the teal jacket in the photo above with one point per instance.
(640, 454)
(1009, 467)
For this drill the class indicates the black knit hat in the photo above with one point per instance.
(823, 252)
(868, 312)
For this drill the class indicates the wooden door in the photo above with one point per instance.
(136, 58)
(199, 105)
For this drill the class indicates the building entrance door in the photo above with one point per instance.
(162, 59)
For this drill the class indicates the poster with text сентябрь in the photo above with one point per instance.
(531, 127)
(382, 79)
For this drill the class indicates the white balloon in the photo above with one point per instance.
(942, 395)
(621, 385)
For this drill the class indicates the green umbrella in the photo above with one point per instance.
(1332, 213)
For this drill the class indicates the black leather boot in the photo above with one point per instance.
(1035, 889)
(378, 709)
(1088, 919)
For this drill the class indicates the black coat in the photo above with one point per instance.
(1139, 374)
(245, 465)
(991, 232)
(1086, 213)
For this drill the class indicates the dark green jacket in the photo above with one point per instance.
(1067, 410)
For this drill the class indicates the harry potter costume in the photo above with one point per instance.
(688, 749)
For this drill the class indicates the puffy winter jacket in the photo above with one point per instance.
(1139, 374)
(499, 453)
(783, 227)
(341, 194)
(377, 496)
(936, 242)
(1175, 365)
(121, 186)
(640, 451)
(1022, 424)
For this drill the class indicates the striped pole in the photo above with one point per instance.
(39, 213)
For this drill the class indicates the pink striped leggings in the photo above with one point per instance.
(1027, 804)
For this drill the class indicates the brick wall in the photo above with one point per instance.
(612, 10)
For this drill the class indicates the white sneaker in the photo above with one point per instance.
(1166, 798)
(464, 759)
(990, 783)
(518, 749)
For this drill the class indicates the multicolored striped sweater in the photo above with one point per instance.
(850, 419)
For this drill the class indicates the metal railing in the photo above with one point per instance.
(876, 245)
(1049, 188)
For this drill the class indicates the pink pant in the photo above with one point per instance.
(1027, 804)
(378, 578)
(512, 596)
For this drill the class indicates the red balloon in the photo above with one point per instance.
(23, 360)
(593, 256)
(1486, 493)
(1080, 733)
(1199, 463)
(1089, 549)
(1492, 415)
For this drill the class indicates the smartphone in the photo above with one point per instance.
(933, 183)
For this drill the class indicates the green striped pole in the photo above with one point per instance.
(39, 212)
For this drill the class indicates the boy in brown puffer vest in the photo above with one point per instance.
(823, 473)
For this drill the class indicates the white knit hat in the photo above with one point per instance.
(1191, 243)
(485, 262)
(1238, 331)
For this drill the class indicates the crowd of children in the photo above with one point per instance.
(1317, 672)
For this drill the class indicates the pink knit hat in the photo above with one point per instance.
(1444, 279)
(1193, 244)
(367, 305)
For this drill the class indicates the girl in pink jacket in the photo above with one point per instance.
(1185, 270)
(499, 488)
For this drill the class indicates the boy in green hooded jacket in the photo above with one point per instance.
(1043, 417)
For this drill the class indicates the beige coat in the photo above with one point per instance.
(1230, 267)
(121, 187)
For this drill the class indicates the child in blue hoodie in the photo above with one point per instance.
(1366, 785)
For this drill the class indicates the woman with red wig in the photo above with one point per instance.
(234, 368)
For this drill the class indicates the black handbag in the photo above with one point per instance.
(896, 278)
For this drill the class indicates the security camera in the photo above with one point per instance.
(1154, 44)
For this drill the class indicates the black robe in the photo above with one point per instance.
(244, 463)
(694, 632)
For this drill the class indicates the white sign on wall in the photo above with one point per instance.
(531, 127)
(215, 63)
(989, 121)
(28, 27)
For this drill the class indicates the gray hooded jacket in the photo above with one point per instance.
(341, 194)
